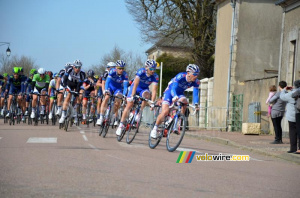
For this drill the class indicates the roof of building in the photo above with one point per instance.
(284, 3)
(173, 43)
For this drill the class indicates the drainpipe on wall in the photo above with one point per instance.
(280, 49)
(233, 4)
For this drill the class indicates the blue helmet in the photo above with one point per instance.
(150, 63)
(120, 63)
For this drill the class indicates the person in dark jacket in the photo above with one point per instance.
(277, 113)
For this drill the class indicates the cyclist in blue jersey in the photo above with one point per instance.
(140, 86)
(113, 85)
(175, 92)
(15, 85)
(101, 86)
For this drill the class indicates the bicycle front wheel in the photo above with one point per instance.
(133, 129)
(176, 132)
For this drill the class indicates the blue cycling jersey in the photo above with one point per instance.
(179, 84)
(146, 80)
(116, 81)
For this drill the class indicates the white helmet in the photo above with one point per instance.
(150, 63)
(193, 68)
(41, 71)
(111, 64)
(77, 63)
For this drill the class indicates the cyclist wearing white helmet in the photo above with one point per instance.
(140, 86)
(109, 66)
(40, 84)
(175, 91)
(72, 80)
(116, 83)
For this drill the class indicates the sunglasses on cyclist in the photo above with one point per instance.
(121, 68)
(195, 74)
(152, 69)
(77, 67)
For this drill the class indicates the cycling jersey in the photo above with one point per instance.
(116, 82)
(145, 81)
(104, 75)
(39, 82)
(52, 86)
(178, 85)
(15, 85)
(73, 80)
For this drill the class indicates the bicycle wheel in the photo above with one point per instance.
(106, 127)
(102, 127)
(120, 137)
(154, 142)
(176, 133)
(133, 129)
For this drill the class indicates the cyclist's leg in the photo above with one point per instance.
(99, 101)
(183, 99)
(10, 97)
(103, 107)
(60, 97)
(117, 104)
(84, 103)
(167, 99)
(145, 94)
(43, 101)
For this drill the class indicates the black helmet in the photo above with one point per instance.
(90, 73)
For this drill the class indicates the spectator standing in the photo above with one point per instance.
(277, 113)
(290, 115)
(296, 95)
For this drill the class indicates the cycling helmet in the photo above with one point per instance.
(68, 65)
(192, 68)
(120, 63)
(90, 73)
(21, 69)
(77, 63)
(55, 75)
(41, 71)
(111, 64)
(150, 63)
(5, 75)
(16, 70)
(33, 71)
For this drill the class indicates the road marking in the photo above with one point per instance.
(42, 140)
(82, 132)
(84, 137)
(118, 158)
(0, 138)
(93, 147)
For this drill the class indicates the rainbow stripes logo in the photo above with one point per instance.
(189, 158)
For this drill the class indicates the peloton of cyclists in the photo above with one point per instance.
(140, 86)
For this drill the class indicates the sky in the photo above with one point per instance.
(54, 32)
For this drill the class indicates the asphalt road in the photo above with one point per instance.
(79, 163)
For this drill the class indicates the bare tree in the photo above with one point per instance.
(133, 62)
(192, 20)
(8, 64)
